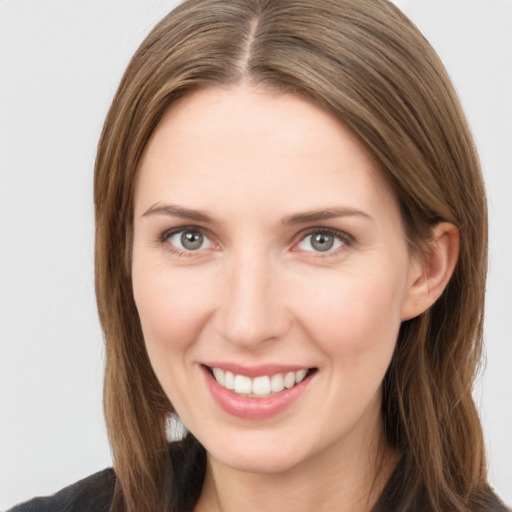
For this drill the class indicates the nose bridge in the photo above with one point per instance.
(251, 311)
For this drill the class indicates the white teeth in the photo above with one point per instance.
(219, 375)
(276, 383)
(229, 380)
(299, 376)
(289, 380)
(259, 386)
(243, 385)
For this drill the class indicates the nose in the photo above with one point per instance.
(252, 310)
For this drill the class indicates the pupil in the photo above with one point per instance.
(322, 242)
(191, 240)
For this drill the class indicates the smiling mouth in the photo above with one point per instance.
(261, 386)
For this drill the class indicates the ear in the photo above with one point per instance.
(431, 271)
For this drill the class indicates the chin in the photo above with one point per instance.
(258, 460)
(259, 451)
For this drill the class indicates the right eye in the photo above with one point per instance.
(188, 240)
(324, 241)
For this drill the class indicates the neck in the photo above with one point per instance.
(348, 477)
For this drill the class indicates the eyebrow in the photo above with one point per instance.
(177, 211)
(299, 218)
(320, 215)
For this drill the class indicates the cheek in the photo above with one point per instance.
(172, 307)
(355, 317)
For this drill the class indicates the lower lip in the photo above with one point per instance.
(254, 408)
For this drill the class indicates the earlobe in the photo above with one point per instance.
(431, 271)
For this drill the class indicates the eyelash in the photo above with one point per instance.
(346, 240)
(164, 238)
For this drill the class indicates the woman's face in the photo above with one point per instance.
(268, 256)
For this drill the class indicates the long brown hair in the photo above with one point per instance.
(367, 64)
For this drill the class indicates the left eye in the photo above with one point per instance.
(189, 240)
(321, 241)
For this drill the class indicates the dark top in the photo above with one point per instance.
(95, 493)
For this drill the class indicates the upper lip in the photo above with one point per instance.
(256, 370)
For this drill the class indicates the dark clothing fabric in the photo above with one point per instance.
(401, 495)
(95, 493)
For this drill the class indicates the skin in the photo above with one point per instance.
(258, 292)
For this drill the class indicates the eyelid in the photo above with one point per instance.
(346, 239)
(163, 238)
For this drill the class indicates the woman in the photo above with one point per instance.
(291, 257)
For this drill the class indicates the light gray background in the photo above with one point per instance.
(60, 62)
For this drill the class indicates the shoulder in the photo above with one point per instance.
(93, 493)
(403, 494)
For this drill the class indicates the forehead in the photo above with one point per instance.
(239, 143)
